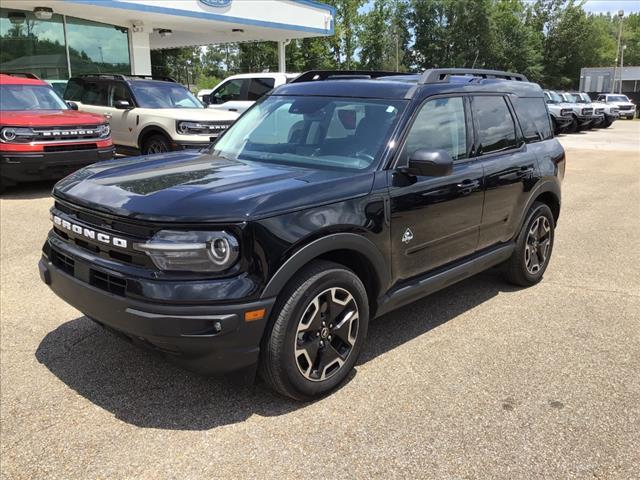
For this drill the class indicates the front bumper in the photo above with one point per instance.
(206, 338)
(181, 145)
(24, 167)
(585, 121)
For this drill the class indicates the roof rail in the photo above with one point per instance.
(162, 78)
(441, 75)
(320, 75)
(119, 76)
(33, 76)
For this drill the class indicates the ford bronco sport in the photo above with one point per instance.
(148, 115)
(335, 199)
(41, 137)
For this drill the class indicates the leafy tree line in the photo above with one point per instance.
(548, 40)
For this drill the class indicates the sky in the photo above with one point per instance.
(591, 6)
(603, 6)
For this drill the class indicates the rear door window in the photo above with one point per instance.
(533, 118)
(258, 87)
(494, 124)
(95, 93)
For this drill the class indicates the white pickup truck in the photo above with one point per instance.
(238, 92)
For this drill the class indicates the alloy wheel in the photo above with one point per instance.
(536, 250)
(326, 334)
(156, 147)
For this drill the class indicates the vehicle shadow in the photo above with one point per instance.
(28, 191)
(147, 391)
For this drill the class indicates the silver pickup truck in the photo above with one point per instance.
(626, 108)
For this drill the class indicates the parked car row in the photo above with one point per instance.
(572, 112)
(49, 129)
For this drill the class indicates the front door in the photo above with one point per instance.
(435, 220)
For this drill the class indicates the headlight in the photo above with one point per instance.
(103, 130)
(16, 134)
(565, 112)
(192, 251)
(185, 127)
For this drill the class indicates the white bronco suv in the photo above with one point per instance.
(148, 115)
(238, 92)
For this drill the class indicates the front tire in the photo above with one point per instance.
(534, 245)
(155, 144)
(318, 331)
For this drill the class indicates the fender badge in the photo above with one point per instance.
(408, 236)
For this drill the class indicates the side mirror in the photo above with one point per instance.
(122, 105)
(72, 105)
(206, 99)
(430, 163)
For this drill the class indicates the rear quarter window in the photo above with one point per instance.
(534, 119)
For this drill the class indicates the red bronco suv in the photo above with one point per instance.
(41, 136)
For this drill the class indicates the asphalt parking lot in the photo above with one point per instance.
(481, 380)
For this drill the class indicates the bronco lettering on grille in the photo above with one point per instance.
(89, 233)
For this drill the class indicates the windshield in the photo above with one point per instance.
(554, 97)
(572, 97)
(585, 97)
(617, 98)
(164, 95)
(30, 97)
(319, 132)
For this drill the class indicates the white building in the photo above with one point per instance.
(56, 39)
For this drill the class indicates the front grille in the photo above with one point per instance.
(107, 282)
(99, 223)
(587, 111)
(70, 148)
(56, 134)
(599, 111)
(64, 263)
(626, 107)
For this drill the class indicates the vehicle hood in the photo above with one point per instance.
(191, 114)
(622, 104)
(196, 186)
(49, 118)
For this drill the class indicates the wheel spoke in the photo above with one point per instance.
(344, 327)
(328, 359)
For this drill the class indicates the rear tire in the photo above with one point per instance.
(534, 245)
(156, 143)
(319, 326)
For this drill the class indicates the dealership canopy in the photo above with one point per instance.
(138, 26)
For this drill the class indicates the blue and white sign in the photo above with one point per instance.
(217, 3)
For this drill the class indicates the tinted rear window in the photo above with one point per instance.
(534, 119)
(496, 129)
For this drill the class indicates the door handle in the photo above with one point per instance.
(232, 109)
(467, 186)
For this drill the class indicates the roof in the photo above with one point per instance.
(403, 86)
(11, 80)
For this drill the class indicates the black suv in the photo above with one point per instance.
(335, 199)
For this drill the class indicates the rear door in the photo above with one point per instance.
(510, 168)
(435, 220)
